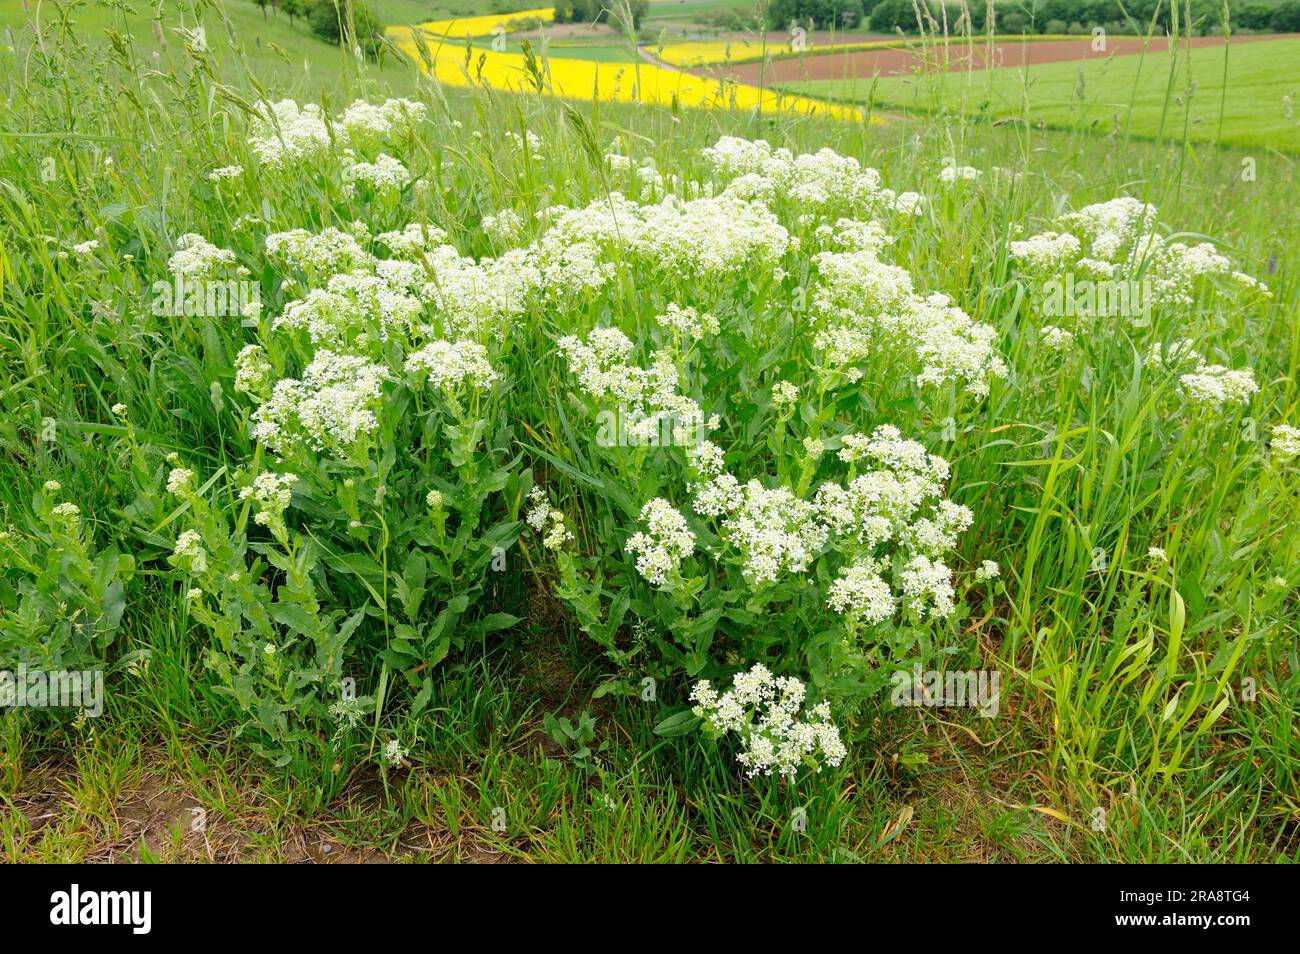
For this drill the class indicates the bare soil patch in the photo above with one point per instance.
(896, 62)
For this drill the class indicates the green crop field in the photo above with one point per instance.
(1244, 95)
(396, 469)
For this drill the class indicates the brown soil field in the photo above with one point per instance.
(889, 62)
(568, 31)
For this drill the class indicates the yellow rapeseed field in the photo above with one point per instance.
(482, 26)
(621, 82)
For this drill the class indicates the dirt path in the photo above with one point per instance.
(866, 63)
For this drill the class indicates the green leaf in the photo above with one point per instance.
(294, 617)
(679, 723)
(496, 621)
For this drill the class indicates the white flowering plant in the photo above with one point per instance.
(62, 598)
(365, 536)
(371, 555)
(746, 504)
(764, 713)
(1113, 272)
(462, 382)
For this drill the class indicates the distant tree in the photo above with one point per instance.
(1011, 21)
(616, 10)
(1286, 18)
(1251, 16)
(600, 11)
(819, 14)
(329, 20)
(891, 15)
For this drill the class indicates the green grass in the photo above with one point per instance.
(242, 43)
(402, 12)
(679, 9)
(1111, 679)
(1239, 96)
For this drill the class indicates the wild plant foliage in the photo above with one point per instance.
(389, 381)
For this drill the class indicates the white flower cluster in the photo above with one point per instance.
(189, 552)
(197, 258)
(270, 493)
(764, 712)
(862, 593)
(1213, 386)
(927, 587)
(1285, 444)
(178, 480)
(351, 303)
(68, 512)
(1048, 251)
(950, 173)
(853, 235)
(1056, 339)
(649, 397)
(1119, 237)
(385, 174)
(695, 237)
(664, 544)
(479, 297)
(395, 753)
(546, 520)
(774, 531)
(413, 241)
(810, 181)
(688, 322)
(330, 252)
(899, 499)
(864, 307)
(252, 370)
(447, 365)
(1112, 226)
(371, 123)
(333, 404)
(504, 226)
(579, 250)
(1180, 351)
(784, 394)
(471, 297)
(1209, 385)
(284, 133)
(529, 141)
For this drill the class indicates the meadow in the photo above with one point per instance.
(436, 468)
(1241, 95)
